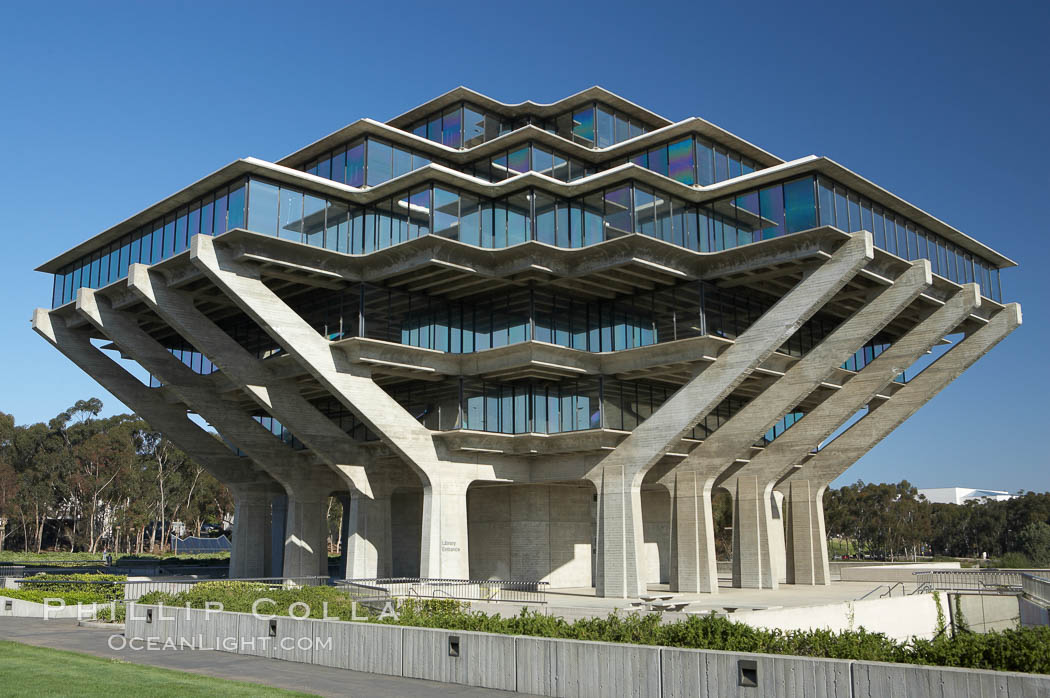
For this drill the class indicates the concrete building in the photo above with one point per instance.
(961, 495)
(528, 341)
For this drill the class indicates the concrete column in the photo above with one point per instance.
(443, 551)
(621, 545)
(805, 537)
(248, 556)
(349, 383)
(693, 564)
(278, 525)
(752, 527)
(368, 537)
(306, 534)
(619, 475)
(862, 436)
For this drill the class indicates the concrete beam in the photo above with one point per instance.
(249, 485)
(804, 486)
(715, 459)
(444, 544)
(618, 477)
(308, 484)
(280, 397)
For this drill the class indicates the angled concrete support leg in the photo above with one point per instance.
(443, 553)
(807, 550)
(280, 397)
(368, 539)
(753, 563)
(862, 436)
(619, 475)
(620, 539)
(693, 565)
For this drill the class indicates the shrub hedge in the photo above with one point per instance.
(1024, 649)
(78, 584)
(70, 597)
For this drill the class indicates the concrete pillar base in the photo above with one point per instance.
(367, 539)
(693, 564)
(306, 536)
(806, 541)
(621, 552)
(250, 521)
(752, 524)
(443, 551)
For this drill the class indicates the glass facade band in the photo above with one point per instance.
(529, 158)
(366, 162)
(537, 407)
(465, 126)
(694, 160)
(763, 213)
(846, 210)
(219, 211)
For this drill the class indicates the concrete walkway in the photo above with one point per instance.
(325, 681)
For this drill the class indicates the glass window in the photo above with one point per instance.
(262, 208)
(542, 161)
(402, 162)
(452, 128)
(878, 227)
(734, 166)
(291, 215)
(473, 128)
(721, 164)
(854, 213)
(355, 165)
(208, 216)
(546, 225)
(220, 213)
(644, 212)
(662, 211)
(841, 210)
(470, 220)
(194, 219)
(169, 237)
(419, 213)
(518, 218)
(605, 128)
(446, 213)
(618, 212)
(235, 218)
(826, 197)
(560, 169)
(336, 226)
(592, 220)
(771, 207)
(434, 128)
(157, 253)
(180, 231)
(621, 129)
(705, 168)
(680, 161)
(658, 160)
(313, 220)
(583, 126)
(380, 162)
(339, 166)
(800, 210)
(518, 160)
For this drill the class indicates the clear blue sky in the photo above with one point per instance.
(109, 107)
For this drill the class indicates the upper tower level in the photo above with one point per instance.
(586, 169)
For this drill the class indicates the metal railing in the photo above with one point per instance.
(12, 571)
(135, 590)
(1037, 587)
(986, 580)
(459, 589)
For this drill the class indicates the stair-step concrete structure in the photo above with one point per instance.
(529, 341)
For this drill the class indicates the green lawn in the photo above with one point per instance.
(36, 671)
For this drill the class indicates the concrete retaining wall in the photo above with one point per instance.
(900, 617)
(1032, 614)
(19, 608)
(891, 573)
(570, 668)
(987, 612)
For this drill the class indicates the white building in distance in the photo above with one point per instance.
(961, 495)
